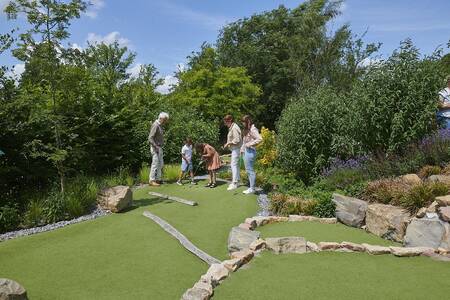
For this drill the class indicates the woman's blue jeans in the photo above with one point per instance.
(249, 162)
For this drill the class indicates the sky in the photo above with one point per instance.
(165, 32)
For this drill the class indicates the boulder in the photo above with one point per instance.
(257, 245)
(244, 255)
(421, 213)
(246, 226)
(286, 244)
(329, 246)
(312, 247)
(439, 178)
(387, 221)
(350, 211)
(215, 274)
(426, 232)
(11, 290)
(204, 286)
(410, 251)
(353, 247)
(411, 179)
(444, 213)
(196, 294)
(376, 250)
(443, 200)
(115, 199)
(240, 238)
(251, 222)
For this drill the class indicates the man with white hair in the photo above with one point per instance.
(156, 141)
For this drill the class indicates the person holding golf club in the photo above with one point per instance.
(234, 142)
(186, 162)
(211, 157)
(156, 141)
(444, 105)
(251, 138)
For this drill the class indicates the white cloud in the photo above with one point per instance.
(369, 61)
(169, 82)
(134, 70)
(94, 7)
(17, 71)
(76, 46)
(3, 4)
(108, 39)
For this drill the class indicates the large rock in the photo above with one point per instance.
(291, 244)
(240, 239)
(444, 213)
(11, 290)
(411, 179)
(410, 251)
(439, 178)
(215, 274)
(350, 211)
(426, 232)
(115, 199)
(443, 200)
(387, 221)
(196, 294)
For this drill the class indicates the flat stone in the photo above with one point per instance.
(443, 200)
(312, 247)
(387, 221)
(196, 294)
(376, 250)
(240, 239)
(353, 246)
(329, 246)
(204, 286)
(291, 244)
(259, 244)
(411, 179)
(439, 178)
(410, 251)
(115, 199)
(350, 211)
(425, 232)
(246, 226)
(244, 255)
(251, 222)
(215, 274)
(300, 218)
(432, 208)
(232, 264)
(421, 213)
(443, 251)
(12, 290)
(444, 213)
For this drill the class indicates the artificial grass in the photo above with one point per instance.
(317, 232)
(127, 256)
(329, 275)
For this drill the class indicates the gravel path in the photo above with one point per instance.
(98, 212)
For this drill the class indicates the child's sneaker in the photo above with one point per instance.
(179, 182)
(193, 182)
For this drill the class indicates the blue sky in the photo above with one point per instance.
(164, 32)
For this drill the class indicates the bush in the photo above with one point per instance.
(144, 173)
(325, 208)
(386, 191)
(427, 171)
(423, 195)
(54, 207)
(34, 215)
(9, 218)
(171, 172)
(267, 152)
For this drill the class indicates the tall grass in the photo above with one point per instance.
(171, 172)
(144, 173)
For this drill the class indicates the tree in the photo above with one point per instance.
(287, 51)
(214, 90)
(49, 20)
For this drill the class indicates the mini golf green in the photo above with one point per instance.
(128, 256)
(318, 232)
(331, 275)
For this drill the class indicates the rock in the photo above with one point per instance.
(443, 251)
(251, 222)
(328, 220)
(387, 221)
(350, 211)
(329, 246)
(204, 286)
(439, 178)
(196, 294)
(312, 247)
(411, 179)
(443, 200)
(259, 244)
(444, 213)
(299, 218)
(11, 290)
(421, 213)
(244, 255)
(232, 264)
(240, 239)
(425, 232)
(376, 250)
(246, 226)
(286, 244)
(437, 257)
(215, 274)
(353, 247)
(432, 208)
(115, 199)
(410, 251)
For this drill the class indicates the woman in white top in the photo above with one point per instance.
(444, 105)
(251, 138)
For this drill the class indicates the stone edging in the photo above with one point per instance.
(203, 289)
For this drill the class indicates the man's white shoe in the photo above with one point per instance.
(232, 186)
(249, 191)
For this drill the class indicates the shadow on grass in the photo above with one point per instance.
(146, 202)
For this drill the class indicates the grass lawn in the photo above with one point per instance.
(330, 275)
(317, 232)
(127, 256)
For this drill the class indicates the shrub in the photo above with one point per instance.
(74, 206)
(423, 195)
(267, 152)
(54, 207)
(171, 172)
(427, 171)
(325, 208)
(34, 215)
(9, 218)
(342, 179)
(387, 191)
(144, 173)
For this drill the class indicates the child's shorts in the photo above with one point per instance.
(186, 167)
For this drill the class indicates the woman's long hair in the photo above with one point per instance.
(248, 122)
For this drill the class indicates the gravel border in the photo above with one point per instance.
(98, 212)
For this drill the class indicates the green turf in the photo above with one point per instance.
(317, 232)
(329, 275)
(127, 256)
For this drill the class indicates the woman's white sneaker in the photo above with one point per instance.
(249, 191)
(232, 186)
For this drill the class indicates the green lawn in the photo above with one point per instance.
(127, 256)
(317, 232)
(329, 275)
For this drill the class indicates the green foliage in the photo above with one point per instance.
(34, 215)
(144, 173)
(215, 90)
(267, 152)
(9, 218)
(427, 171)
(423, 195)
(325, 208)
(171, 172)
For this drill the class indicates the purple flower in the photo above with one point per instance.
(337, 164)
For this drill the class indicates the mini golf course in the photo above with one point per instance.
(128, 256)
